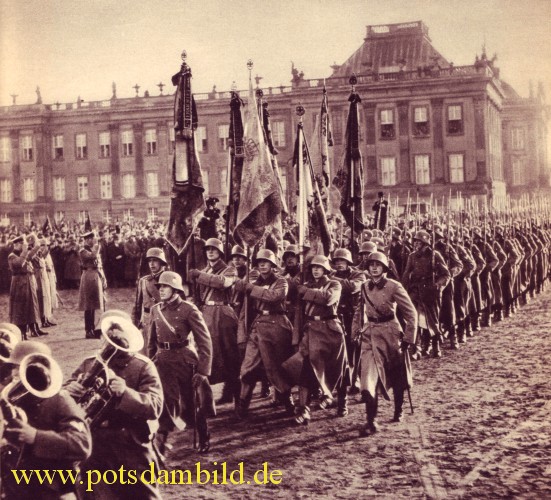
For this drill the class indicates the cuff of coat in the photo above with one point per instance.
(130, 403)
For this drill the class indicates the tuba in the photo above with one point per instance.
(120, 336)
(39, 375)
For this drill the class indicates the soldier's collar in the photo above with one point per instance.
(380, 284)
(220, 264)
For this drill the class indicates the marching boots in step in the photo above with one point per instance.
(398, 403)
(454, 344)
(425, 342)
(461, 334)
(371, 404)
(342, 402)
(436, 342)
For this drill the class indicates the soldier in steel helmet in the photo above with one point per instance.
(215, 292)
(10, 336)
(351, 281)
(184, 367)
(425, 276)
(321, 360)
(147, 293)
(383, 343)
(367, 248)
(270, 340)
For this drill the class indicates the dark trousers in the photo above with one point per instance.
(89, 320)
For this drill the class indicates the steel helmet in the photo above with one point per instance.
(156, 253)
(292, 250)
(237, 250)
(214, 243)
(23, 349)
(322, 261)
(379, 242)
(423, 236)
(10, 327)
(265, 254)
(344, 254)
(8, 341)
(368, 247)
(171, 279)
(439, 230)
(379, 257)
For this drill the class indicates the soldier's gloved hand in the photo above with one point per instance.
(117, 386)
(23, 432)
(193, 273)
(405, 345)
(302, 289)
(198, 379)
(75, 389)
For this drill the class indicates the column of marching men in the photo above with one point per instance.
(332, 327)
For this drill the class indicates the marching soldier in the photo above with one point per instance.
(472, 324)
(147, 293)
(321, 359)
(351, 281)
(367, 248)
(425, 276)
(508, 271)
(290, 271)
(270, 339)
(486, 288)
(184, 369)
(215, 293)
(383, 344)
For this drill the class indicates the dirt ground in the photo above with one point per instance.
(481, 426)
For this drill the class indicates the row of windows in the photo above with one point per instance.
(128, 187)
(388, 175)
(127, 142)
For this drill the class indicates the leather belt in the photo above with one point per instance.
(215, 303)
(168, 346)
(381, 319)
(320, 318)
(268, 313)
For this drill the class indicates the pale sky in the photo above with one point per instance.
(72, 48)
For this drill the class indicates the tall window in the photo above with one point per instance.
(29, 193)
(82, 188)
(172, 138)
(5, 149)
(105, 187)
(57, 147)
(152, 214)
(59, 188)
(128, 215)
(82, 148)
(128, 186)
(455, 119)
(59, 216)
(27, 218)
(388, 130)
(338, 129)
(27, 147)
(127, 138)
(457, 168)
(388, 171)
(201, 139)
(6, 195)
(82, 216)
(152, 184)
(151, 141)
(106, 215)
(422, 169)
(517, 138)
(421, 121)
(278, 134)
(104, 144)
(223, 135)
(517, 172)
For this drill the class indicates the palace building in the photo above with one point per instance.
(427, 127)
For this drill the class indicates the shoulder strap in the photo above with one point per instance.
(170, 327)
(364, 293)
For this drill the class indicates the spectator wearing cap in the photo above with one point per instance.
(24, 310)
(425, 276)
(207, 223)
(72, 269)
(147, 293)
(214, 284)
(321, 360)
(269, 342)
(92, 284)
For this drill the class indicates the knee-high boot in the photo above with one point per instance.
(245, 397)
(371, 404)
(398, 403)
(342, 402)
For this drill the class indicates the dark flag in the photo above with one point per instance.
(187, 201)
(47, 226)
(349, 178)
(236, 160)
(312, 223)
(87, 223)
(260, 202)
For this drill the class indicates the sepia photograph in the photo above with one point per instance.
(275, 249)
